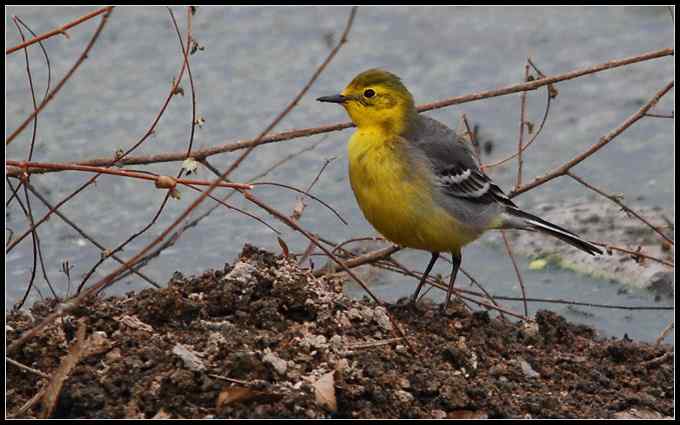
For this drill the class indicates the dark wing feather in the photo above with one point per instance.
(471, 184)
(454, 164)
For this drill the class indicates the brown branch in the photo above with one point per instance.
(68, 75)
(577, 303)
(618, 202)
(472, 138)
(655, 361)
(670, 115)
(110, 162)
(520, 140)
(533, 85)
(359, 260)
(562, 170)
(68, 362)
(304, 90)
(26, 368)
(664, 333)
(200, 154)
(635, 254)
(306, 132)
(161, 181)
(517, 273)
(101, 247)
(107, 280)
(60, 30)
(531, 141)
(194, 222)
(30, 403)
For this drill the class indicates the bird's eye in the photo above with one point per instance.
(369, 93)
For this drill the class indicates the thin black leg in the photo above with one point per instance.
(433, 260)
(455, 259)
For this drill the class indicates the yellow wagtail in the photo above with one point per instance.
(418, 183)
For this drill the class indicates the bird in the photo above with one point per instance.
(418, 182)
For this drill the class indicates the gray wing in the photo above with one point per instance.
(456, 169)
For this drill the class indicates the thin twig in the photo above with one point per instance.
(657, 360)
(517, 272)
(296, 99)
(664, 333)
(618, 202)
(172, 240)
(81, 59)
(107, 280)
(551, 92)
(306, 132)
(373, 344)
(635, 254)
(305, 193)
(30, 403)
(60, 30)
(359, 260)
(26, 368)
(122, 173)
(109, 162)
(563, 169)
(533, 85)
(167, 182)
(522, 125)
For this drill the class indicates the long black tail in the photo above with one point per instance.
(531, 222)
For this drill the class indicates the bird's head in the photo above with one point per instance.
(376, 98)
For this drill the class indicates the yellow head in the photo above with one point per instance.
(376, 98)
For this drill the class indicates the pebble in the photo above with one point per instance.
(279, 365)
(189, 357)
(529, 372)
(404, 396)
(383, 320)
(241, 272)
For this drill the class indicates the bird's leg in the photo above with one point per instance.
(435, 255)
(455, 259)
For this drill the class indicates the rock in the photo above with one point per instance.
(528, 371)
(404, 396)
(241, 272)
(279, 365)
(190, 358)
(381, 317)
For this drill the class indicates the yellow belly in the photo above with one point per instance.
(398, 202)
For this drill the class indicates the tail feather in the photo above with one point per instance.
(531, 222)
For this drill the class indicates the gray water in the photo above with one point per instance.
(255, 61)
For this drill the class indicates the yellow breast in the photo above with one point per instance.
(396, 196)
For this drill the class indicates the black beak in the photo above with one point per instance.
(336, 98)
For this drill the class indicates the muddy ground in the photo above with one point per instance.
(263, 339)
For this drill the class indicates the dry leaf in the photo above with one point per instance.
(133, 322)
(162, 414)
(97, 343)
(284, 247)
(467, 414)
(236, 394)
(324, 391)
